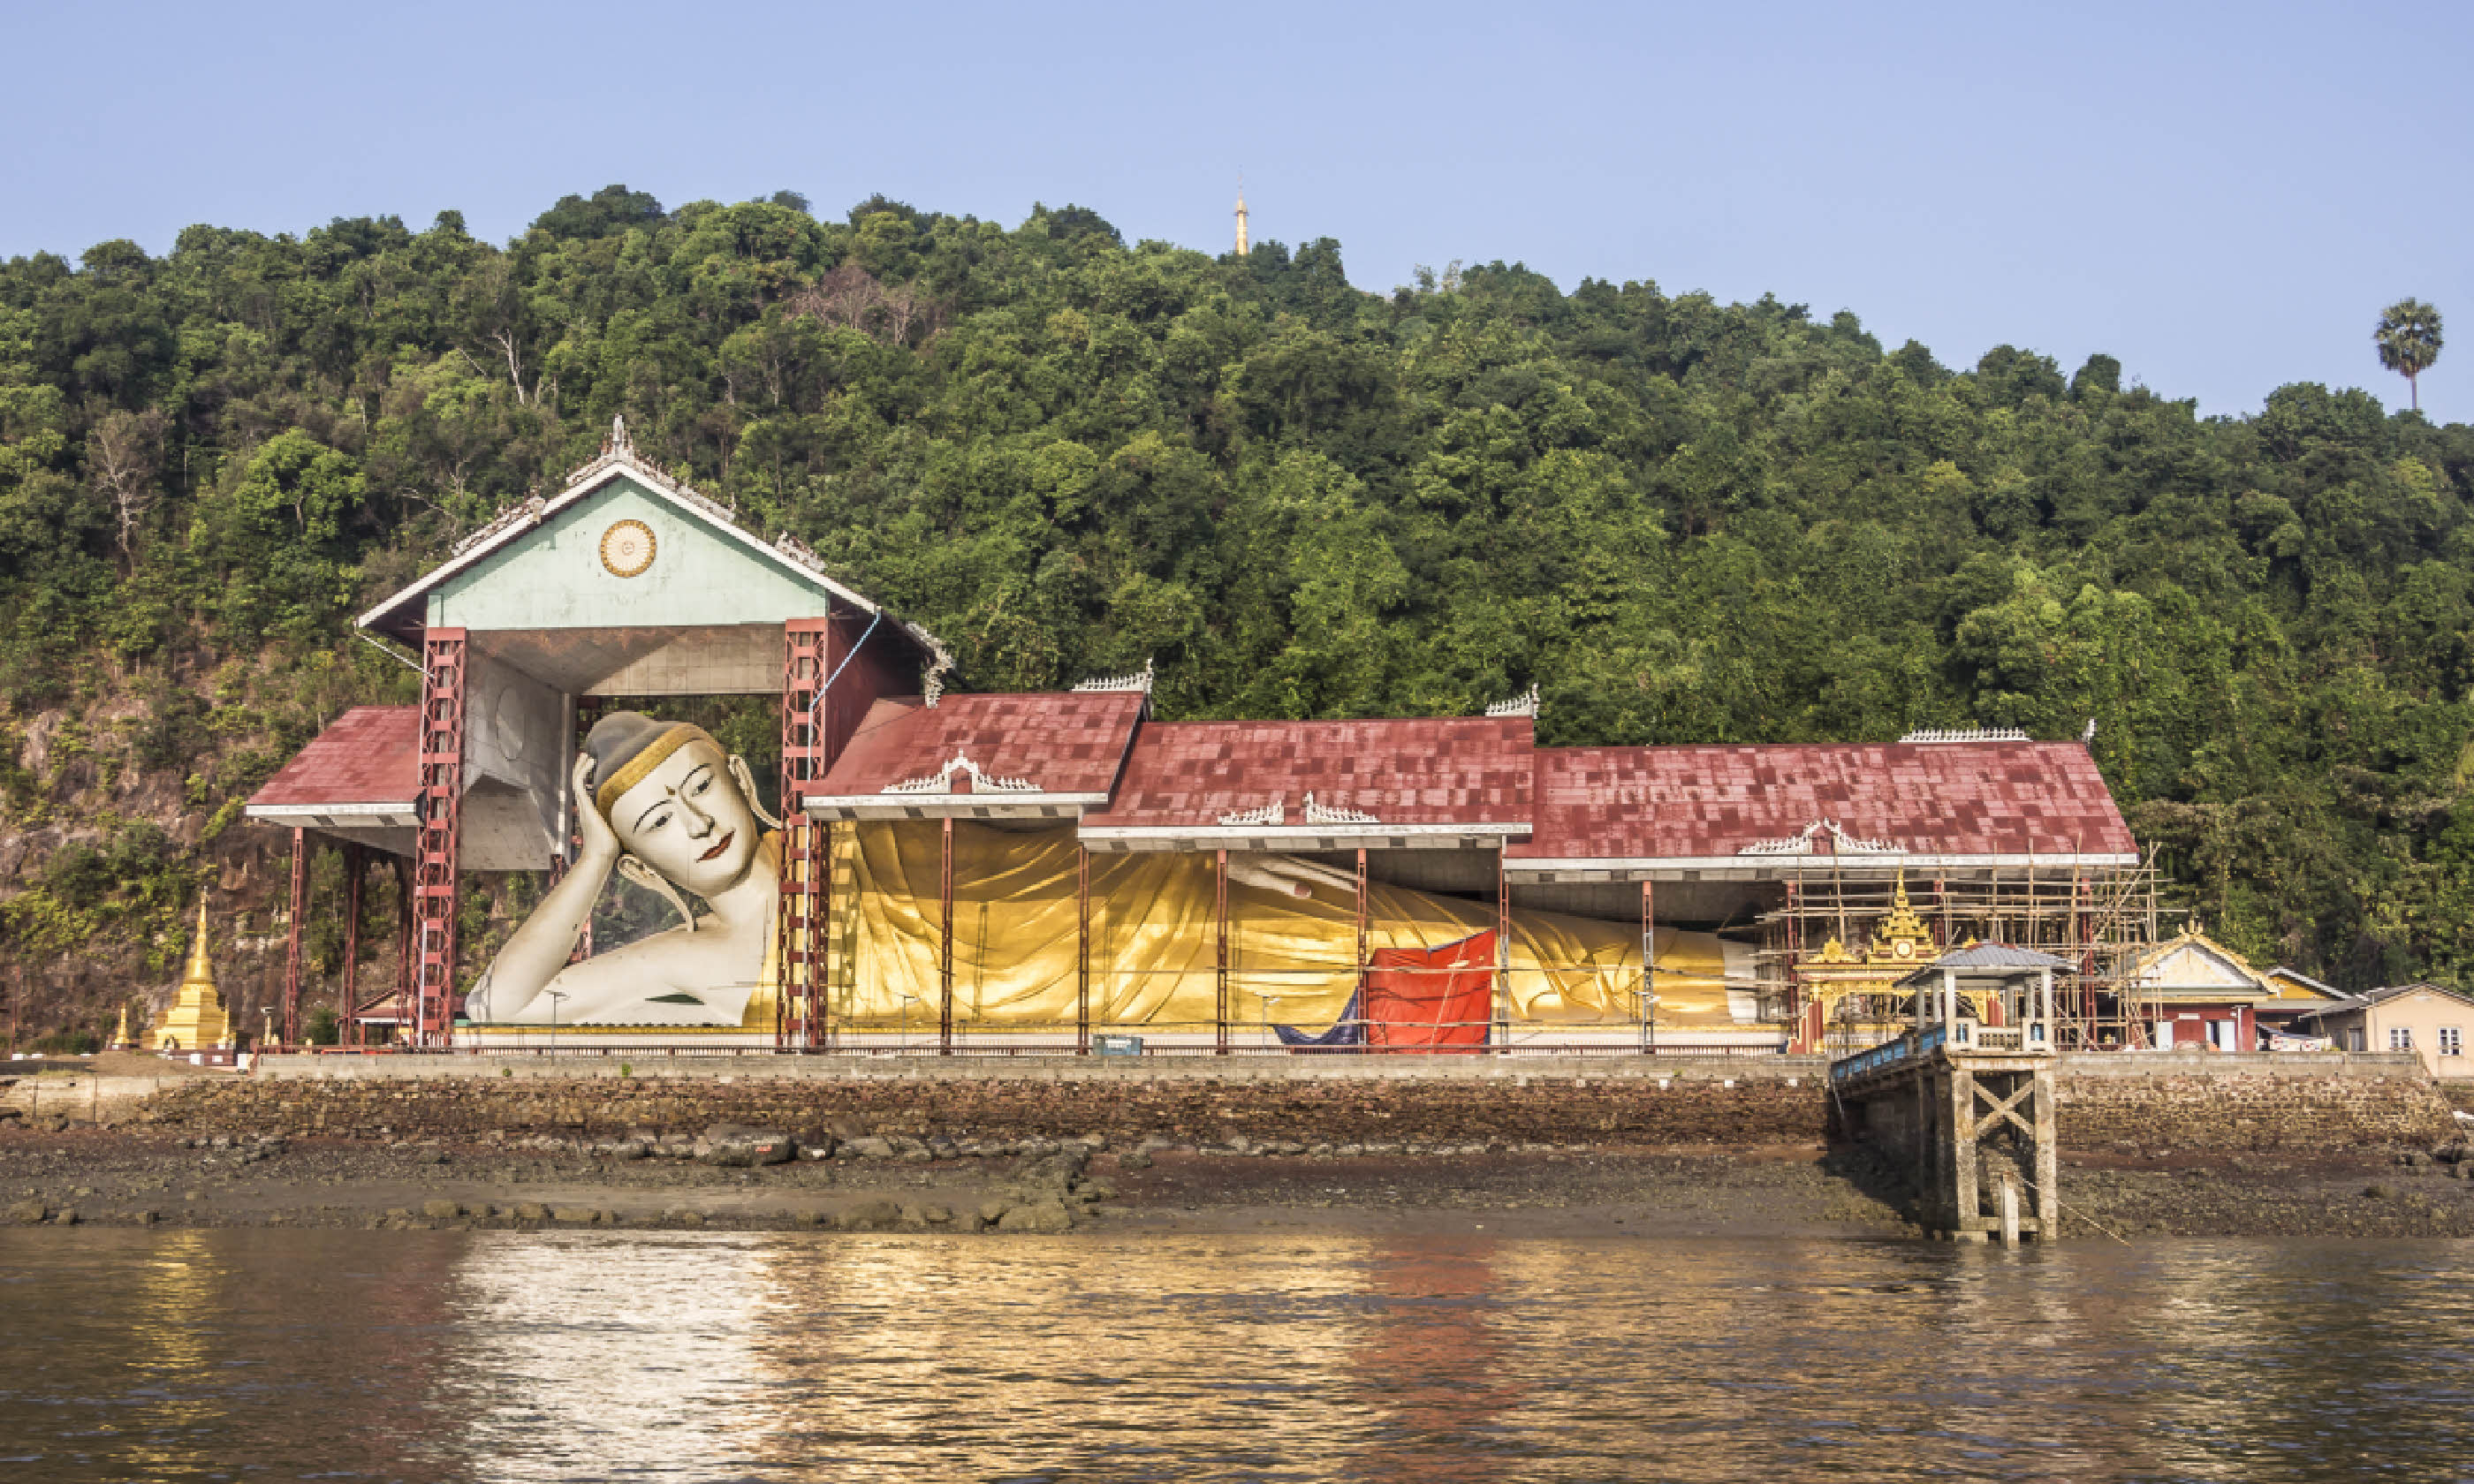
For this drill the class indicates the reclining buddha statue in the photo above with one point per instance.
(661, 804)
(666, 807)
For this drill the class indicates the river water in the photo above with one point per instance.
(262, 1354)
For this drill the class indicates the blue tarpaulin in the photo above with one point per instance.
(1346, 1032)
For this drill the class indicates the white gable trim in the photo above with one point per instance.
(2231, 974)
(601, 472)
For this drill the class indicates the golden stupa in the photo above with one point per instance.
(195, 1021)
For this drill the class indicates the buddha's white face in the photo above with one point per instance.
(688, 820)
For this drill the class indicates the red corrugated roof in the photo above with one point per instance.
(1587, 804)
(369, 754)
(1443, 771)
(1953, 799)
(1065, 742)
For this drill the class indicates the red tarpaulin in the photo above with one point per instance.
(1431, 1000)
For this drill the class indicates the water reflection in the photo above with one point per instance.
(1427, 1365)
(584, 1355)
(170, 1374)
(554, 1357)
(1022, 1359)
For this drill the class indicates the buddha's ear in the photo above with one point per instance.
(633, 868)
(739, 770)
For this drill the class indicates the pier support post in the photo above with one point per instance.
(1961, 1100)
(2049, 1159)
(1985, 1130)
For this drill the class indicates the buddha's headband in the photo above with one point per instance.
(638, 768)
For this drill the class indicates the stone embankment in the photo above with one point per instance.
(2229, 1104)
(1386, 1111)
(2233, 1108)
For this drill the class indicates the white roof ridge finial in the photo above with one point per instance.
(620, 443)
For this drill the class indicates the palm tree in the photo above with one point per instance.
(2408, 341)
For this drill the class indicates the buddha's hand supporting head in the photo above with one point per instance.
(672, 799)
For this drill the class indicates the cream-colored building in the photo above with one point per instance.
(2294, 996)
(2195, 992)
(2424, 1018)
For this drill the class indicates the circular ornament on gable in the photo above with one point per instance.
(1904, 948)
(627, 548)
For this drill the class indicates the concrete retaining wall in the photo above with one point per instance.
(1514, 1108)
(2230, 1103)
(598, 1067)
(2198, 1103)
(82, 1097)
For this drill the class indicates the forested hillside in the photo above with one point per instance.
(1686, 521)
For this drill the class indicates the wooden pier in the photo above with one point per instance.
(1967, 1096)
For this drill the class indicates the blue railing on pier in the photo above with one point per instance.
(1888, 1053)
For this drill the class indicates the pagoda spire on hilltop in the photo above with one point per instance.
(1241, 214)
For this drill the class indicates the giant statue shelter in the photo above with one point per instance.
(956, 870)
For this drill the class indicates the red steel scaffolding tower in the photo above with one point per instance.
(441, 801)
(800, 915)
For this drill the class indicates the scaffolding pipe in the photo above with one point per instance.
(1359, 974)
(1220, 941)
(1648, 968)
(2092, 920)
(1803, 1038)
(1082, 952)
(1500, 1032)
(945, 942)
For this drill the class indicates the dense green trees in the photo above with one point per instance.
(1687, 520)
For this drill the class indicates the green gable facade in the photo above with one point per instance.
(552, 576)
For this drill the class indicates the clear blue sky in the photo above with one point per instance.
(2223, 196)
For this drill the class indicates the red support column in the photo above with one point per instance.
(406, 949)
(1500, 1033)
(1220, 941)
(356, 864)
(1648, 968)
(1359, 995)
(440, 838)
(1082, 952)
(299, 903)
(945, 946)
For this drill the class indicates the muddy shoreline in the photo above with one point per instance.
(85, 1175)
